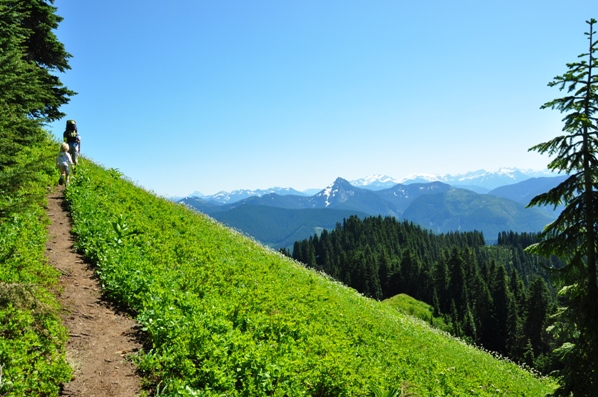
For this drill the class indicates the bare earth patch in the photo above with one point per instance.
(101, 337)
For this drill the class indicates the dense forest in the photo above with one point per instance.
(498, 296)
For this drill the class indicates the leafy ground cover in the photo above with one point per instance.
(32, 337)
(413, 307)
(225, 316)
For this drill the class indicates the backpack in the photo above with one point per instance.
(71, 129)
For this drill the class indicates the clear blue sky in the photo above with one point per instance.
(192, 95)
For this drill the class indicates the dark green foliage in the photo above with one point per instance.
(30, 95)
(482, 291)
(574, 235)
(538, 308)
(43, 52)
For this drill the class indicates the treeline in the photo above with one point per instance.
(495, 296)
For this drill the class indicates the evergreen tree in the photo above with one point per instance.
(473, 286)
(30, 93)
(457, 288)
(573, 236)
(537, 311)
(42, 49)
(501, 330)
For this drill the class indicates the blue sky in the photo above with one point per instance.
(191, 95)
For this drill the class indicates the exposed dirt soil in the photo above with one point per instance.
(101, 336)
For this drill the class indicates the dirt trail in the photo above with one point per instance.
(100, 336)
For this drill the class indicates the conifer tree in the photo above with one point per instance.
(30, 93)
(573, 236)
(537, 309)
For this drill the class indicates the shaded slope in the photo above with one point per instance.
(523, 192)
(464, 210)
(280, 228)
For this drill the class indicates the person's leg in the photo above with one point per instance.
(67, 173)
(74, 154)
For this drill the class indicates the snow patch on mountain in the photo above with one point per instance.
(223, 197)
(482, 178)
(375, 182)
(485, 180)
(327, 193)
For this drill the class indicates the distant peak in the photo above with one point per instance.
(340, 180)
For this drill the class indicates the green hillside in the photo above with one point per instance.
(281, 227)
(225, 316)
(409, 305)
(463, 210)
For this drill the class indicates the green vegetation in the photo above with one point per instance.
(408, 305)
(226, 316)
(461, 209)
(32, 338)
(494, 296)
(574, 235)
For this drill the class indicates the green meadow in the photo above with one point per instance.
(226, 316)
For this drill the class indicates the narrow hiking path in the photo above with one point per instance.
(100, 336)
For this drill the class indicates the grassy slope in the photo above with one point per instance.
(409, 305)
(227, 317)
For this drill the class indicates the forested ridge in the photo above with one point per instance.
(497, 296)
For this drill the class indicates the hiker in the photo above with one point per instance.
(72, 137)
(63, 163)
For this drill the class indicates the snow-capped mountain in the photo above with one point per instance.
(238, 195)
(337, 192)
(480, 181)
(375, 182)
(481, 178)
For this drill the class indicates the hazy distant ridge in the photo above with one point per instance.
(434, 205)
(480, 181)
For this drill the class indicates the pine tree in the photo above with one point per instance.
(573, 236)
(30, 94)
(537, 312)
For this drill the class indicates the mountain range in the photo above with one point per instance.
(278, 219)
(480, 181)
